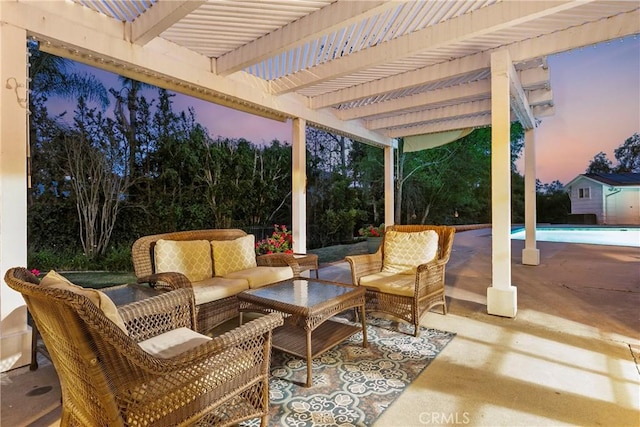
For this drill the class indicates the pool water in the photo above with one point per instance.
(613, 236)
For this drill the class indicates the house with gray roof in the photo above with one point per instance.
(614, 198)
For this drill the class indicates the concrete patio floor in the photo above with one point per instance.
(570, 357)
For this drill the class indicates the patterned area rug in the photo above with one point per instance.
(352, 385)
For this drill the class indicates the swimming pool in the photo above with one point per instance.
(613, 236)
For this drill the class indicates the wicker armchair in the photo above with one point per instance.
(428, 283)
(107, 379)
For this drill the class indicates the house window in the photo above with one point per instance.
(584, 193)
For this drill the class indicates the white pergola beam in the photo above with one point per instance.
(540, 97)
(74, 33)
(519, 102)
(389, 187)
(467, 91)
(15, 334)
(460, 93)
(501, 295)
(618, 26)
(331, 18)
(160, 17)
(441, 126)
(459, 123)
(299, 186)
(540, 111)
(530, 252)
(483, 21)
(463, 109)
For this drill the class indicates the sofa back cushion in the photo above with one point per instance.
(403, 252)
(234, 255)
(98, 298)
(189, 257)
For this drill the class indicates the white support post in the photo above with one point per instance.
(15, 334)
(530, 254)
(389, 194)
(501, 296)
(299, 186)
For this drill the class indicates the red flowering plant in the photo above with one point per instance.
(281, 240)
(371, 231)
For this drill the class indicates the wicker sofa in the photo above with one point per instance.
(215, 292)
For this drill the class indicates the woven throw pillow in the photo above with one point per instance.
(403, 252)
(99, 299)
(189, 257)
(234, 255)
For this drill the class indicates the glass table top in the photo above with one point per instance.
(302, 292)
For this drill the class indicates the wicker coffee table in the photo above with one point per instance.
(308, 304)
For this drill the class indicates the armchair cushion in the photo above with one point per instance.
(390, 283)
(173, 342)
(98, 298)
(189, 257)
(404, 252)
(233, 255)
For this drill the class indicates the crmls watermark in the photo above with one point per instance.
(444, 418)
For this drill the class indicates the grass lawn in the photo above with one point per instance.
(103, 279)
(336, 253)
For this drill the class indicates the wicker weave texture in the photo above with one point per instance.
(210, 314)
(108, 380)
(297, 262)
(429, 290)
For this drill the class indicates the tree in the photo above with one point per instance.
(367, 165)
(552, 202)
(95, 158)
(333, 197)
(628, 155)
(432, 185)
(599, 164)
(128, 96)
(50, 76)
(271, 189)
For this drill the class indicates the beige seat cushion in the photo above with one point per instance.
(224, 371)
(390, 283)
(262, 275)
(189, 257)
(216, 288)
(403, 252)
(173, 342)
(99, 299)
(234, 255)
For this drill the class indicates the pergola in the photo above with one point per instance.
(370, 70)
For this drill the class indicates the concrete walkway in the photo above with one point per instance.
(570, 357)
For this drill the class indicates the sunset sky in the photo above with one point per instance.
(596, 92)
